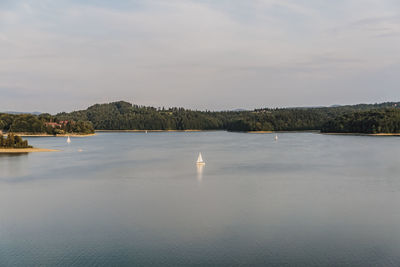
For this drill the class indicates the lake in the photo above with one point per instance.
(123, 199)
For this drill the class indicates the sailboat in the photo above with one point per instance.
(200, 160)
(276, 137)
(68, 140)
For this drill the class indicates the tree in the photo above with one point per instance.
(13, 141)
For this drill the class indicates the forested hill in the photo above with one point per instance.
(42, 124)
(386, 120)
(125, 116)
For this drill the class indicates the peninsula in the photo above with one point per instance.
(43, 125)
(15, 144)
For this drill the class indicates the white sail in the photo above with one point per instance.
(200, 159)
(68, 140)
(276, 137)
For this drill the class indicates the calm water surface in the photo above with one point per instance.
(139, 199)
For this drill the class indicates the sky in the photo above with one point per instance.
(64, 55)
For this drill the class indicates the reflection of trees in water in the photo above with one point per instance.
(11, 155)
(12, 165)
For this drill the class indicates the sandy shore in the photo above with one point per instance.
(386, 134)
(253, 132)
(258, 132)
(278, 132)
(142, 131)
(50, 135)
(364, 134)
(26, 150)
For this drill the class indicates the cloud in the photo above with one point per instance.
(387, 26)
(197, 54)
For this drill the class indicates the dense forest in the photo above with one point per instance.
(43, 123)
(13, 141)
(369, 122)
(125, 116)
(121, 115)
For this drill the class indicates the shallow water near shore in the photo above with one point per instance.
(138, 199)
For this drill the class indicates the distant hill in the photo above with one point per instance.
(239, 109)
(374, 121)
(17, 112)
(123, 115)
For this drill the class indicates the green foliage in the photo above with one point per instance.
(13, 141)
(125, 116)
(5, 121)
(369, 122)
(33, 124)
(27, 123)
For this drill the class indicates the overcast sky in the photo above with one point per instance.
(201, 54)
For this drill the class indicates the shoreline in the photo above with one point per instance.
(50, 135)
(259, 132)
(192, 130)
(25, 150)
(277, 132)
(364, 134)
(155, 131)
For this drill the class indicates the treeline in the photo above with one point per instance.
(363, 118)
(369, 122)
(125, 116)
(44, 123)
(13, 141)
(294, 119)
